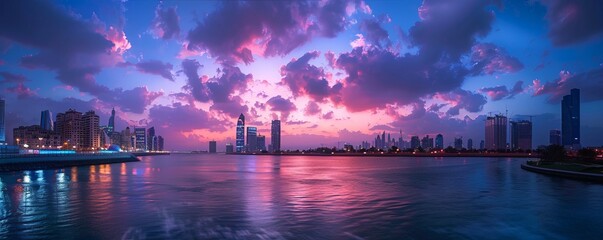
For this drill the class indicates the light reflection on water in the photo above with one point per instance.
(272, 197)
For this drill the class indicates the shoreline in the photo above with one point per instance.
(400, 154)
(575, 175)
(20, 162)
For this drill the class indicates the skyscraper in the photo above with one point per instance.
(414, 142)
(555, 137)
(261, 143)
(521, 135)
(46, 122)
(69, 126)
(496, 132)
(458, 143)
(90, 131)
(275, 135)
(439, 141)
(111, 125)
(570, 119)
(140, 143)
(229, 148)
(470, 144)
(240, 138)
(151, 139)
(2, 126)
(212, 147)
(159, 143)
(252, 139)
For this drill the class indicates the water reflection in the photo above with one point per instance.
(270, 197)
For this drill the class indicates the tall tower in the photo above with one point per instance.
(240, 138)
(275, 135)
(151, 139)
(46, 120)
(111, 125)
(521, 135)
(570, 119)
(496, 133)
(252, 139)
(90, 135)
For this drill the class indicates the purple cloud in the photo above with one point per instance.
(282, 105)
(11, 78)
(269, 28)
(590, 84)
(232, 107)
(573, 21)
(154, 67)
(305, 79)
(312, 108)
(501, 92)
(489, 59)
(462, 99)
(166, 23)
(374, 33)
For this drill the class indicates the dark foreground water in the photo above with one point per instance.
(270, 197)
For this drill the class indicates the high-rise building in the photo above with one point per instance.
(482, 145)
(90, 131)
(427, 142)
(141, 139)
(2, 124)
(212, 147)
(414, 142)
(439, 141)
(555, 137)
(46, 122)
(275, 135)
(470, 144)
(36, 137)
(521, 135)
(252, 139)
(240, 138)
(125, 139)
(111, 125)
(229, 148)
(151, 139)
(496, 132)
(458, 143)
(160, 143)
(261, 142)
(69, 126)
(570, 119)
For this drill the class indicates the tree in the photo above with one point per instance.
(553, 153)
(587, 154)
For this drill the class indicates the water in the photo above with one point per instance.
(272, 197)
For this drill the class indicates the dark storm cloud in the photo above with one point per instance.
(275, 27)
(574, 21)
(305, 79)
(75, 49)
(166, 24)
(590, 84)
(449, 28)
(501, 92)
(282, 105)
(487, 58)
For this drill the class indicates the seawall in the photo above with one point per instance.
(20, 162)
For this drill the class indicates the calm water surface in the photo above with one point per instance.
(271, 197)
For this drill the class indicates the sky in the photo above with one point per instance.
(333, 72)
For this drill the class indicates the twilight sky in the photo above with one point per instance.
(332, 71)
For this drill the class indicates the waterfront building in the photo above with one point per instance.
(470, 144)
(69, 126)
(439, 141)
(2, 123)
(261, 142)
(90, 131)
(378, 141)
(151, 139)
(482, 145)
(275, 135)
(252, 139)
(36, 137)
(240, 137)
(212, 147)
(160, 143)
(414, 142)
(125, 140)
(521, 135)
(496, 132)
(458, 143)
(140, 143)
(570, 120)
(555, 137)
(229, 148)
(111, 125)
(427, 142)
(46, 122)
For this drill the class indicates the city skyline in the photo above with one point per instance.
(369, 67)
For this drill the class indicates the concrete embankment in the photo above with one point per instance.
(564, 173)
(20, 162)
